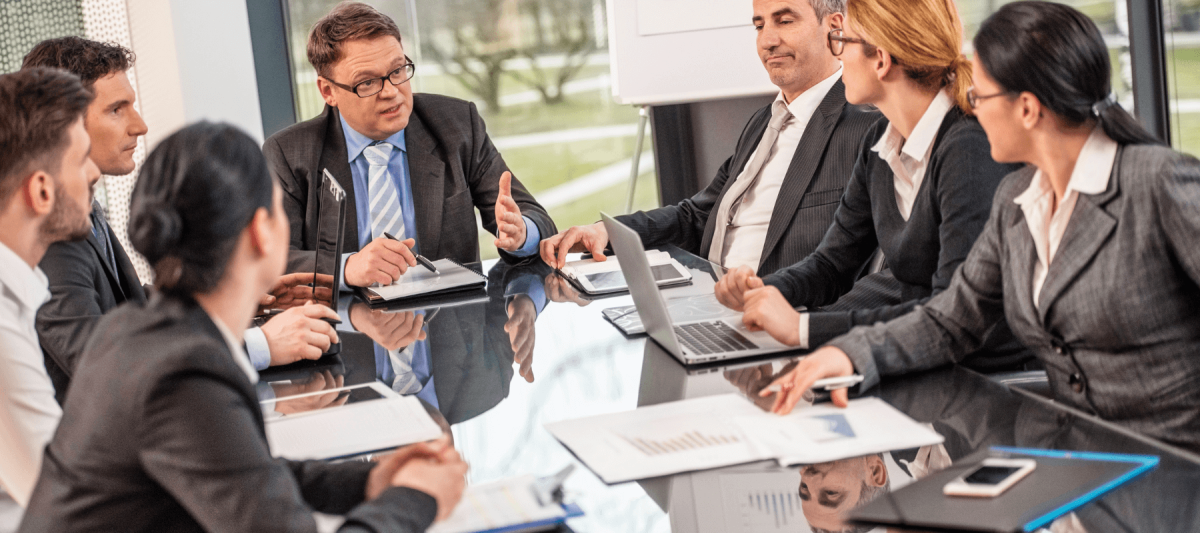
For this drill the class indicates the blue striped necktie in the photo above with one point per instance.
(386, 212)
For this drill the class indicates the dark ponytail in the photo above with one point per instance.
(1056, 53)
(195, 194)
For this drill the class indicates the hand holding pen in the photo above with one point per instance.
(420, 258)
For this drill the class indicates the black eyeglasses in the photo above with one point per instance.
(373, 86)
(973, 98)
(838, 40)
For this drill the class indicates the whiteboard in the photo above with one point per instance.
(677, 51)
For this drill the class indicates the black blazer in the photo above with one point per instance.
(83, 287)
(949, 212)
(453, 165)
(163, 432)
(807, 199)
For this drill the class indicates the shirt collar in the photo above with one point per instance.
(806, 103)
(30, 285)
(923, 135)
(357, 142)
(1090, 176)
(235, 349)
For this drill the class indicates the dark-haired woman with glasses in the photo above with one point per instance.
(920, 192)
(1090, 252)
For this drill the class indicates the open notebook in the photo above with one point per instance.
(419, 281)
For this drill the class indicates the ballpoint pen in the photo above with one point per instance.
(266, 315)
(827, 384)
(420, 258)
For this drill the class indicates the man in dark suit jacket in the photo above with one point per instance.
(89, 278)
(413, 166)
(767, 233)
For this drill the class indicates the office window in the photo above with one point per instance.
(28, 22)
(1182, 38)
(1110, 16)
(538, 72)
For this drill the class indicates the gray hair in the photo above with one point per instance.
(824, 8)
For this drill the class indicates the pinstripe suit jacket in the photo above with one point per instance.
(807, 199)
(1118, 325)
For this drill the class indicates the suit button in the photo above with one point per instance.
(1076, 382)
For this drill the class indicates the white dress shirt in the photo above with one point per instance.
(744, 240)
(1047, 224)
(908, 159)
(29, 413)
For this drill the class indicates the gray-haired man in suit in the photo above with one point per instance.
(413, 166)
(774, 198)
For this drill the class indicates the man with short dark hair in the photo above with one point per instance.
(92, 276)
(413, 166)
(46, 184)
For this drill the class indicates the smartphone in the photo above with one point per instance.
(991, 478)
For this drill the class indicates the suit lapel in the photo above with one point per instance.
(131, 284)
(335, 158)
(804, 165)
(1087, 231)
(1024, 258)
(113, 279)
(426, 171)
(735, 169)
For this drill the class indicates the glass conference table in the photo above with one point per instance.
(496, 365)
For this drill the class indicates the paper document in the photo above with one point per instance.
(584, 267)
(418, 280)
(351, 429)
(726, 430)
(501, 504)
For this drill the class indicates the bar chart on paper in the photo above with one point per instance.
(678, 435)
(761, 502)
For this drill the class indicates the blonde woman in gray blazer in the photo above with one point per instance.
(1091, 252)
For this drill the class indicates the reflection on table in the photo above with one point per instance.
(464, 353)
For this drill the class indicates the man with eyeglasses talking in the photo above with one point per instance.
(413, 166)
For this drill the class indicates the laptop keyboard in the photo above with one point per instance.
(712, 337)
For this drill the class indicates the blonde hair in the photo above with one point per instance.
(924, 37)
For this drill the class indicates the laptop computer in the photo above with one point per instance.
(693, 341)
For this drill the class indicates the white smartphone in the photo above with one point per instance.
(991, 478)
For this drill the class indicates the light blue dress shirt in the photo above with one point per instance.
(398, 168)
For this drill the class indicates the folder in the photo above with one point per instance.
(418, 282)
(1062, 482)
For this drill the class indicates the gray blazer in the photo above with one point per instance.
(454, 166)
(1119, 324)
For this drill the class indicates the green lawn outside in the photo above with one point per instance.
(543, 167)
(1188, 132)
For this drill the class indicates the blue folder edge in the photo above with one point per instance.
(572, 510)
(1145, 464)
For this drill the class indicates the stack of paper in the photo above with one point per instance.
(726, 430)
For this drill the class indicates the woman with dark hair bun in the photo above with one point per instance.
(1090, 251)
(162, 430)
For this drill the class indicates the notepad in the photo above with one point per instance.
(418, 281)
(509, 505)
(349, 430)
(727, 430)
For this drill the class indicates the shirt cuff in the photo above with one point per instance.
(531, 285)
(532, 238)
(345, 257)
(803, 333)
(257, 348)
